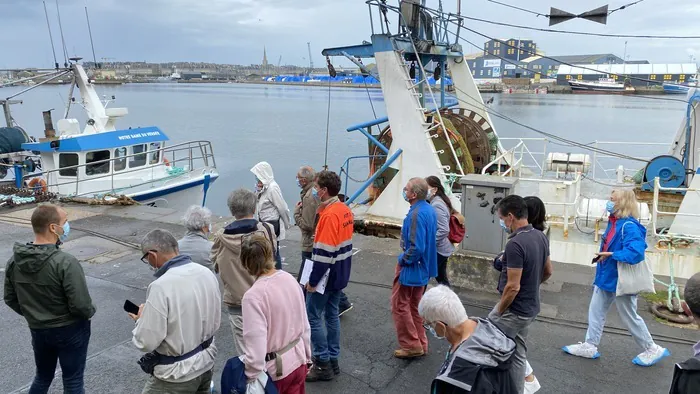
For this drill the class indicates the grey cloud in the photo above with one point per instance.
(235, 31)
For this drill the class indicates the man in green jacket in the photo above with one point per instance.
(47, 286)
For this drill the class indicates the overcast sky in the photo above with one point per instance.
(235, 31)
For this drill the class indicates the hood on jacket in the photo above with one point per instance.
(487, 345)
(231, 237)
(31, 258)
(263, 171)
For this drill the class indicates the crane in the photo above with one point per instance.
(279, 62)
(311, 62)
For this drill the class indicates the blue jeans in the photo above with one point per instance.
(325, 340)
(343, 304)
(626, 308)
(67, 345)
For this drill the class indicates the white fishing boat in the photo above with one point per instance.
(423, 135)
(101, 160)
(602, 85)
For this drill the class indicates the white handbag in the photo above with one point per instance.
(258, 385)
(633, 279)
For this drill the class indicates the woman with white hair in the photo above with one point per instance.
(624, 241)
(271, 207)
(195, 243)
(479, 357)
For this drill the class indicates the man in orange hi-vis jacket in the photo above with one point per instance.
(332, 253)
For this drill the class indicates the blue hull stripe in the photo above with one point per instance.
(165, 192)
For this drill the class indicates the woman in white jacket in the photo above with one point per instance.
(271, 207)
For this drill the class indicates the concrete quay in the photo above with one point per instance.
(105, 240)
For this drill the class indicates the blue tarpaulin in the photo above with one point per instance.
(356, 80)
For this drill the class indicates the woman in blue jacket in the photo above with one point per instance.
(624, 242)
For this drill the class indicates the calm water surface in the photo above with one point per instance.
(286, 125)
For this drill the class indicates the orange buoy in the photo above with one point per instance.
(36, 183)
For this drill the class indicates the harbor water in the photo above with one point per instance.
(286, 125)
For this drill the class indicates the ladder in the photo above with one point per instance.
(429, 127)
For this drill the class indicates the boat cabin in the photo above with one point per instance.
(102, 162)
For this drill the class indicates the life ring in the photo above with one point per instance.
(40, 182)
(166, 162)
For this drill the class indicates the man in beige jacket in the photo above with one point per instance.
(226, 255)
(305, 213)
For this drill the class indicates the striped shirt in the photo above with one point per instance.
(333, 245)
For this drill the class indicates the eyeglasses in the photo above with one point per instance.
(429, 325)
(144, 258)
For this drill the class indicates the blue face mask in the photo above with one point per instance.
(66, 231)
(299, 183)
(405, 197)
(610, 207)
(505, 228)
(434, 333)
(314, 193)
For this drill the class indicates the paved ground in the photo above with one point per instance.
(115, 274)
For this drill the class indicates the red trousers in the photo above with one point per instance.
(294, 383)
(404, 310)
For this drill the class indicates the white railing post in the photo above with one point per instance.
(544, 158)
(595, 157)
(522, 155)
(655, 206)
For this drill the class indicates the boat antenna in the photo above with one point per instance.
(53, 48)
(63, 40)
(92, 44)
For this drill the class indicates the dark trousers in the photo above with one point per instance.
(67, 345)
(442, 270)
(278, 257)
(344, 303)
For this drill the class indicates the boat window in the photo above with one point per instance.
(67, 160)
(138, 160)
(154, 153)
(119, 159)
(97, 168)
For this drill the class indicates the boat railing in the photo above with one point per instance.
(517, 155)
(199, 153)
(611, 173)
(524, 156)
(345, 168)
(665, 234)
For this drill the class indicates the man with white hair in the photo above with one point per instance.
(479, 357)
(416, 265)
(196, 243)
(177, 323)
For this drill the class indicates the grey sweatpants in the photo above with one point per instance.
(515, 327)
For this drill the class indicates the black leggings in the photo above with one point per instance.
(442, 270)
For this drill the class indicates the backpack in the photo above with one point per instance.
(234, 381)
(457, 228)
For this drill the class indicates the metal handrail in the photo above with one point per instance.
(656, 212)
(346, 167)
(498, 160)
(596, 156)
(204, 147)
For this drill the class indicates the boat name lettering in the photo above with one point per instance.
(139, 135)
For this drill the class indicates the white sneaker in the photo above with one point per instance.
(582, 349)
(651, 356)
(532, 387)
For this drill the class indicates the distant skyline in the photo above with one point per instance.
(235, 31)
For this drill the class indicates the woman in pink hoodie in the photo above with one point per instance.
(276, 332)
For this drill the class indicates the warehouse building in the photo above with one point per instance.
(655, 74)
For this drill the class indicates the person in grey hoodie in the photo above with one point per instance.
(196, 243)
(47, 286)
(443, 208)
(479, 357)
